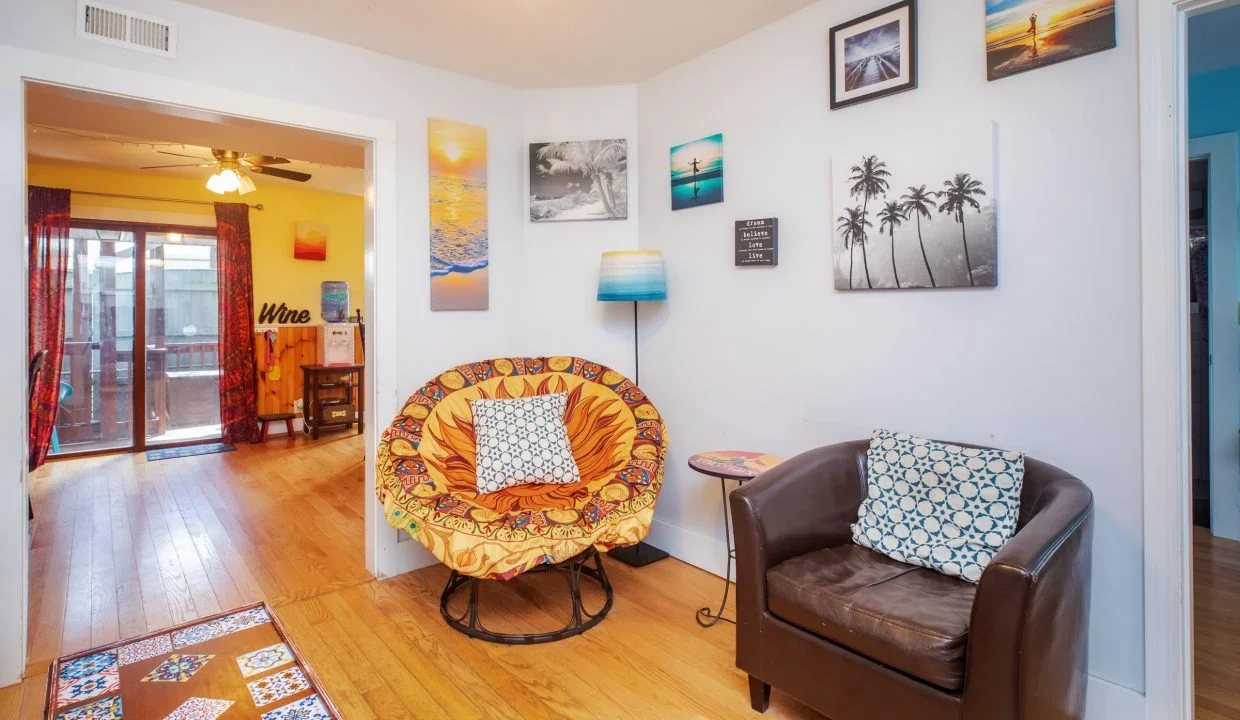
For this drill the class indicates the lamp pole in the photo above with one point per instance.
(637, 367)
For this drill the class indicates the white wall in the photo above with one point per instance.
(776, 360)
(560, 263)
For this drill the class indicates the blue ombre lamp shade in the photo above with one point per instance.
(632, 276)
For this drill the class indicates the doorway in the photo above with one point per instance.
(1212, 285)
(141, 359)
(1214, 325)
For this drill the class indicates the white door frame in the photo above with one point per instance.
(382, 287)
(1166, 488)
(1221, 153)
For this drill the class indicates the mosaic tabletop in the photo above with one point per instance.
(733, 464)
(234, 665)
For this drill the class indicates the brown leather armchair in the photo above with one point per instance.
(857, 636)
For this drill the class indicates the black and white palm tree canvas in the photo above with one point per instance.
(917, 212)
(582, 180)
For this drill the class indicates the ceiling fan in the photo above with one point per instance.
(231, 167)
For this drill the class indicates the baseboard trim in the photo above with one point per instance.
(703, 551)
(1105, 700)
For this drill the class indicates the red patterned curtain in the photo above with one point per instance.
(48, 264)
(238, 381)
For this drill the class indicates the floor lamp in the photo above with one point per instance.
(633, 276)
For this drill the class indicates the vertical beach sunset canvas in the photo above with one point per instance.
(310, 241)
(1027, 34)
(697, 173)
(458, 195)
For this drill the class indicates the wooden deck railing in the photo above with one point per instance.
(101, 375)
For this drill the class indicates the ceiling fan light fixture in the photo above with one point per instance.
(245, 184)
(216, 184)
(229, 180)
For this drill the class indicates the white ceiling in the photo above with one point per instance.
(81, 128)
(1212, 40)
(526, 43)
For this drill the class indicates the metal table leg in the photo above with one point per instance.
(705, 617)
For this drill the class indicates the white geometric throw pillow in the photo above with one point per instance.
(939, 506)
(522, 441)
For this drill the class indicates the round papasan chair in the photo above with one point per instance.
(428, 485)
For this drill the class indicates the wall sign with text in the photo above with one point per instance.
(282, 314)
(757, 242)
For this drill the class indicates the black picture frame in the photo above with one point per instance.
(837, 78)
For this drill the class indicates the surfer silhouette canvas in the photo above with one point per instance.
(697, 173)
(874, 55)
(1028, 34)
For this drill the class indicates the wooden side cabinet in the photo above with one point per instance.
(333, 396)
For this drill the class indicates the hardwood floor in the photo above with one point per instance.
(122, 547)
(1216, 626)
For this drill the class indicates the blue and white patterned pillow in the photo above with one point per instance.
(944, 507)
(522, 441)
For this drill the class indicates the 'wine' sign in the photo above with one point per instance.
(282, 314)
(757, 242)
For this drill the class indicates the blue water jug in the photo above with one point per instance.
(335, 305)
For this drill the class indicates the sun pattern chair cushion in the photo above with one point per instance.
(428, 486)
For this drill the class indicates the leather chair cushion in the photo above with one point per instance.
(909, 618)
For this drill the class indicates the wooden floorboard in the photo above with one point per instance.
(122, 547)
(1216, 621)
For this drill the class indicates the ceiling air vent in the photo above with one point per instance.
(127, 29)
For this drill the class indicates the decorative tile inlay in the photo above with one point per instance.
(108, 708)
(307, 708)
(89, 665)
(144, 649)
(280, 685)
(262, 660)
(196, 634)
(197, 708)
(210, 629)
(177, 668)
(74, 686)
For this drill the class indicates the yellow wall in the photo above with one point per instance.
(277, 276)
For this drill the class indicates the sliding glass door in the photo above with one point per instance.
(182, 358)
(141, 363)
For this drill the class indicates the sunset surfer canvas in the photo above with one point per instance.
(458, 194)
(1027, 34)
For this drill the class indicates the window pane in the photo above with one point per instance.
(96, 377)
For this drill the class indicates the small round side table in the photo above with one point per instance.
(739, 466)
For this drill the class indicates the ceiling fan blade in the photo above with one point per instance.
(280, 173)
(161, 167)
(165, 152)
(265, 160)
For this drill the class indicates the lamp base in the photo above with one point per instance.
(639, 555)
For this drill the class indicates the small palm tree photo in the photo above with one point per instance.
(931, 238)
(583, 180)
